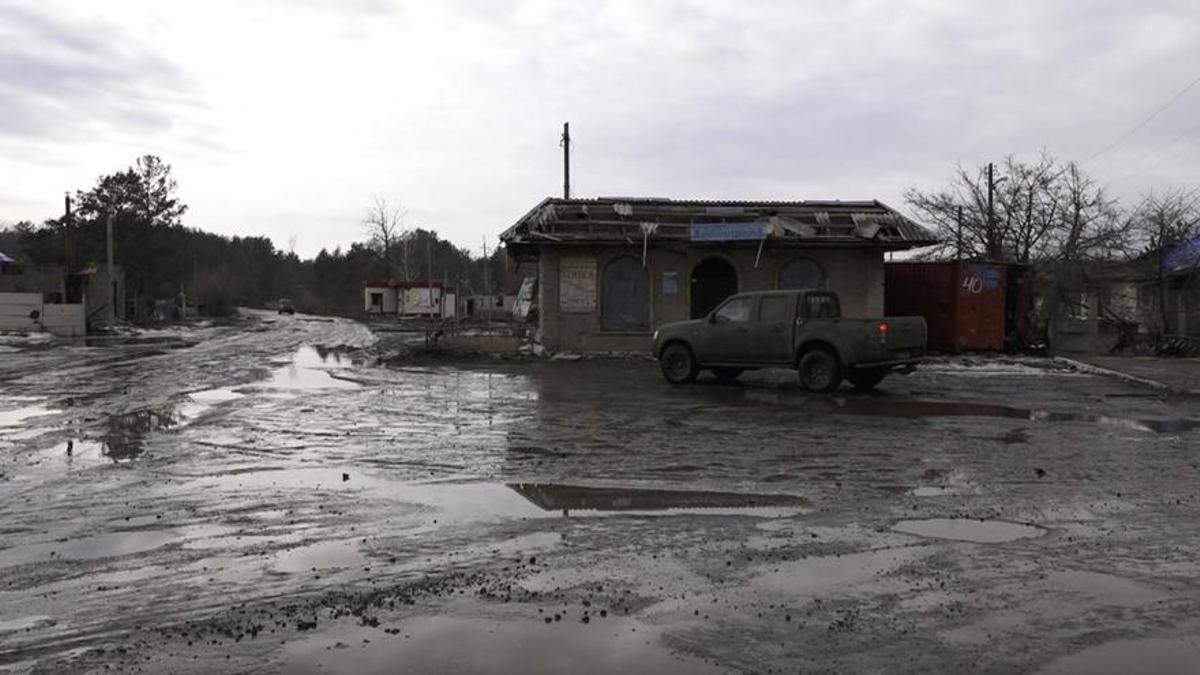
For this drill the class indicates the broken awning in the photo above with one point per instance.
(1183, 258)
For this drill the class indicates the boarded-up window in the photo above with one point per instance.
(625, 296)
(801, 274)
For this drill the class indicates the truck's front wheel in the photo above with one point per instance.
(820, 370)
(677, 363)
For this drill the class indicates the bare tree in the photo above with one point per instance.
(1041, 212)
(1161, 223)
(384, 224)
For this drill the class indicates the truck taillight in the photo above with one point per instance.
(883, 328)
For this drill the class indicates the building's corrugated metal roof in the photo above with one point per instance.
(606, 219)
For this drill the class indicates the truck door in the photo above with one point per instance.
(772, 331)
(728, 333)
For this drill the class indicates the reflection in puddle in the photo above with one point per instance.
(822, 575)
(1104, 588)
(308, 369)
(572, 497)
(966, 529)
(322, 556)
(474, 646)
(477, 502)
(125, 435)
(24, 623)
(879, 406)
(112, 545)
(17, 417)
(1166, 656)
(214, 396)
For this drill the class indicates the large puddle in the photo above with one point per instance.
(309, 368)
(818, 576)
(880, 406)
(965, 529)
(483, 646)
(1164, 656)
(567, 498)
(475, 502)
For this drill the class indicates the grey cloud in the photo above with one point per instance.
(63, 80)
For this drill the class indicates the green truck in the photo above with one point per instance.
(803, 330)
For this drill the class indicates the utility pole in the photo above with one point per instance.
(487, 287)
(566, 146)
(958, 233)
(429, 270)
(66, 239)
(112, 282)
(991, 215)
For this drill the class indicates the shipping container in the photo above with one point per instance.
(963, 303)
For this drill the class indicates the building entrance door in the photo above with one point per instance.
(713, 280)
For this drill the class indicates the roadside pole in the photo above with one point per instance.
(112, 282)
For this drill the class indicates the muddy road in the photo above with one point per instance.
(266, 496)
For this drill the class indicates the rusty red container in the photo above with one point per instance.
(963, 303)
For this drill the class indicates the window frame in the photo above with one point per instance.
(750, 314)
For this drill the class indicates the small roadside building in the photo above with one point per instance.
(65, 303)
(409, 299)
(610, 270)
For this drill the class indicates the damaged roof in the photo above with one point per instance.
(628, 219)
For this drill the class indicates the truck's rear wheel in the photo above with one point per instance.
(866, 379)
(678, 364)
(820, 370)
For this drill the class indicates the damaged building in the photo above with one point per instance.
(610, 270)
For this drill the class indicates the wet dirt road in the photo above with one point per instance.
(264, 497)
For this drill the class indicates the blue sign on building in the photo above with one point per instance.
(729, 231)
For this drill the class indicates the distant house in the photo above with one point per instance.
(610, 270)
(409, 299)
(1109, 305)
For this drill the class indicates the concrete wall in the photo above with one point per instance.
(65, 320)
(62, 320)
(15, 310)
(856, 274)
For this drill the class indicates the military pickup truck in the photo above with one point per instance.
(803, 330)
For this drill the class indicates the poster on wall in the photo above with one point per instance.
(577, 285)
(670, 283)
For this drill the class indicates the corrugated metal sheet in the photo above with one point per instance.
(619, 219)
(963, 303)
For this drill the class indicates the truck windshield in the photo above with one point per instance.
(821, 306)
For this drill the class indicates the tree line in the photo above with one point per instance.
(164, 259)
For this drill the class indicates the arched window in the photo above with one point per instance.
(624, 296)
(801, 274)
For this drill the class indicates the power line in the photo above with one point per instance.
(1146, 121)
(1156, 153)
(1154, 165)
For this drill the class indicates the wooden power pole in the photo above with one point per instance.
(991, 216)
(566, 146)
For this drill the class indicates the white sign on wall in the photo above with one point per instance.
(577, 285)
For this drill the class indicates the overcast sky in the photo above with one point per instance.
(285, 118)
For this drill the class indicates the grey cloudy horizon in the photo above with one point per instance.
(286, 119)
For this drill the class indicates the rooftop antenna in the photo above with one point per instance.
(566, 146)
